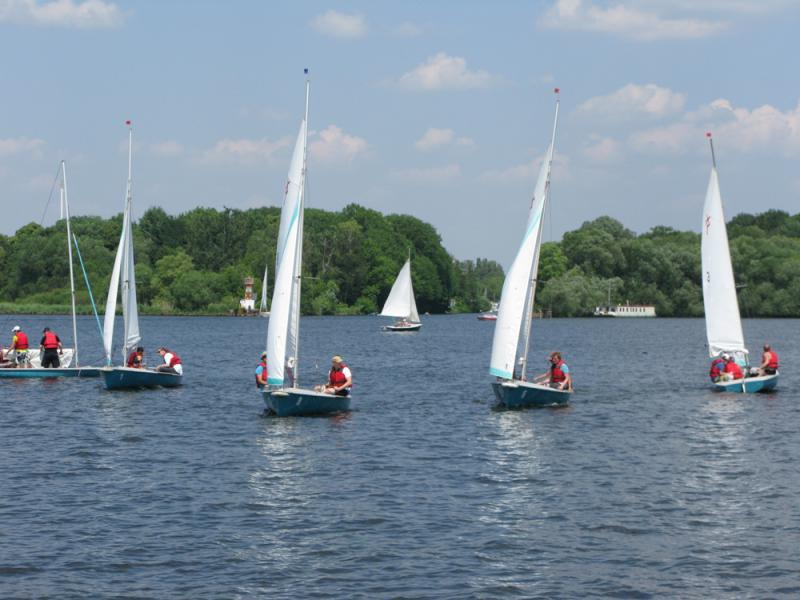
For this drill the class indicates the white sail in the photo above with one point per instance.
(723, 323)
(519, 287)
(123, 277)
(263, 308)
(400, 302)
(284, 321)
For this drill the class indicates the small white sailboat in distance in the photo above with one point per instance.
(512, 331)
(401, 304)
(263, 308)
(723, 321)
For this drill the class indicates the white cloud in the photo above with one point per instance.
(435, 138)
(340, 25)
(442, 72)
(244, 151)
(61, 13)
(428, 174)
(627, 21)
(335, 146)
(633, 99)
(602, 149)
(168, 148)
(15, 146)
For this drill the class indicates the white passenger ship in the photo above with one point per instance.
(626, 310)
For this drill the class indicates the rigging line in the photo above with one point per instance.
(50, 197)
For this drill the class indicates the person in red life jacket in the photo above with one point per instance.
(19, 346)
(50, 347)
(172, 362)
(558, 376)
(136, 358)
(769, 361)
(732, 370)
(717, 368)
(261, 372)
(340, 379)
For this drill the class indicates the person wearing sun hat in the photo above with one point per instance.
(732, 370)
(19, 346)
(261, 372)
(340, 379)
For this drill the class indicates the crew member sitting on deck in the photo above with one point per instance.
(769, 361)
(172, 362)
(50, 347)
(19, 346)
(717, 368)
(558, 376)
(340, 379)
(261, 372)
(136, 358)
(732, 370)
(4, 362)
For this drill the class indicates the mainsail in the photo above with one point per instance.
(723, 323)
(284, 321)
(263, 307)
(400, 302)
(519, 288)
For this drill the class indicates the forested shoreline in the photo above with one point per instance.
(195, 263)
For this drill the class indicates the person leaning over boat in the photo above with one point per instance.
(732, 370)
(172, 362)
(769, 361)
(261, 372)
(50, 347)
(558, 376)
(136, 358)
(340, 379)
(717, 368)
(4, 362)
(19, 346)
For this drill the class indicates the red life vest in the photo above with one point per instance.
(22, 341)
(337, 377)
(556, 374)
(50, 340)
(262, 364)
(734, 370)
(134, 360)
(773, 360)
(717, 366)
(175, 360)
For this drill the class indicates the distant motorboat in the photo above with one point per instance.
(491, 314)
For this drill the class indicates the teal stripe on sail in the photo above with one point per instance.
(274, 381)
(295, 215)
(499, 373)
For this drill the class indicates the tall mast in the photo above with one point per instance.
(65, 205)
(711, 143)
(126, 219)
(299, 254)
(532, 285)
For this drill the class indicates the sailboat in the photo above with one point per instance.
(723, 321)
(263, 308)
(69, 355)
(283, 396)
(512, 332)
(123, 278)
(401, 303)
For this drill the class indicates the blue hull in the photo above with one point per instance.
(295, 402)
(123, 378)
(40, 373)
(523, 394)
(749, 385)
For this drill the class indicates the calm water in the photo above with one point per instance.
(648, 485)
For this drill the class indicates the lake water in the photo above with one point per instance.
(647, 485)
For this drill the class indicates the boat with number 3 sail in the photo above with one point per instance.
(283, 396)
(512, 333)
(723, 321)
(123, 279)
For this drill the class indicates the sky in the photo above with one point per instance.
(441, 110)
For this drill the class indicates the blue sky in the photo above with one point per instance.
(441, 110)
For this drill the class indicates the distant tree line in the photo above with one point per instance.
(196, 262)
(662, 267)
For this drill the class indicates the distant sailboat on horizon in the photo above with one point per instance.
(263, 308)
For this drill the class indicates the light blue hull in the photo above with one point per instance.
(523, 394)
(296, 402)
(124, 378)
(749, 385)
(41, 373)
